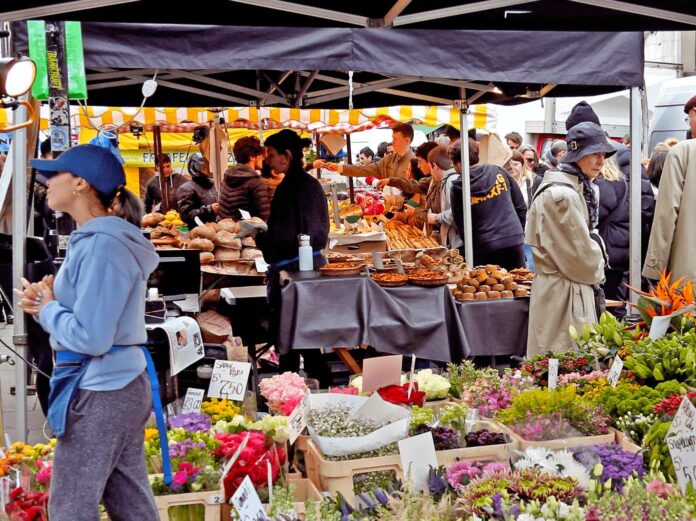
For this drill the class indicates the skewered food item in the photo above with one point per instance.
(402, 236)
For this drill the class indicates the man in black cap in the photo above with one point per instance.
(672, 239)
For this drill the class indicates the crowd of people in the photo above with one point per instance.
(527, 210)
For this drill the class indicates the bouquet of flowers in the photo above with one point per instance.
(398, 394)
(27, 506)
(615, 464)
(460, 473)
(252, 460)
(436, 387)
(220, 409)
(192, 422)
(283, 388)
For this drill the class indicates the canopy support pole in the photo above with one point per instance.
(351, 187)
(159, 158)
(635, 191)
(19, 232)
(466, 186)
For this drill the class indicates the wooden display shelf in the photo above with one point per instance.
(304, 490)
(625, 442)
(212, 501)
(337, 476)
(561, 444)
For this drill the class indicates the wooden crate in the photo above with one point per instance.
(304, 490)
(566, 443)
(212, 501)
(337, 476)
(625, 442)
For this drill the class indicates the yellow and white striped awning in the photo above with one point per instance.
(309, 120)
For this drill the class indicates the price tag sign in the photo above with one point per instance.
(247, 502)
(681, 441)
(553, 373)
(193, 400)
(261, 265)
(399, 267)
(615, 371)
(297, 421)
(245, 214)
(377, 260)
(659, 327)
(381, 371)
(417, 456)
(229, 380)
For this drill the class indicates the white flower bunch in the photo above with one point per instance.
(558, 463)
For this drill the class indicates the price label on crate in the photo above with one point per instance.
(297, 421)
(553, 373)
(615, 371)
(247, 502)
(229, 380)
(193, 400)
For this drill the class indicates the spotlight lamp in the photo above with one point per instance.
(17, 75)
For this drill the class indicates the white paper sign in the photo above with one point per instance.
(185, 342)
(297, 421)
(261, 265)
(245, 214)
(615, 371)
(659, 326)
(417, 456)
(247, 502)
(381, 371)
(681, 440)
(193, 400)
(553, 373)
(229, 380)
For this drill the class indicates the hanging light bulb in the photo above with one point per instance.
(17, 75)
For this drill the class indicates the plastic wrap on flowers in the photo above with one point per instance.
(391, 423)
(544, 427)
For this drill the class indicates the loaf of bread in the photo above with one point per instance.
(207, 257)
(251, 254)
(227, 239)
(226, 254)
(201, 244)
(204, 232)
(151, 219)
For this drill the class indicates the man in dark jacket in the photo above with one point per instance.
(242, 187)
(153, 192)
(198, 197)
(498, 212)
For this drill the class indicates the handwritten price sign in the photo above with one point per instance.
(229, 380)
(681, 441)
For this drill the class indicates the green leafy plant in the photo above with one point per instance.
(672, 357)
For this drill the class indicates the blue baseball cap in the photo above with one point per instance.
(96, 165)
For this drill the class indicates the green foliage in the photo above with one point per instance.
(672, 357)
(625, 399)
(601, 341)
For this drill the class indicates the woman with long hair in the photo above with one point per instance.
(94, 312)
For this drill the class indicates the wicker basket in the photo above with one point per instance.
(342, 272)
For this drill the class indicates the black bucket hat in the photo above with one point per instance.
(587, 138)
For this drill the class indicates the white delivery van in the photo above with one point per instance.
(668, 118)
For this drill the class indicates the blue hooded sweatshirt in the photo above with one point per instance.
(100, 301)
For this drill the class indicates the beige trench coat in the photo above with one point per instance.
(567, 263)
(672, 245)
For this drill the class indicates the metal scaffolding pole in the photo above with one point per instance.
(19, 232)
(466, 181)
(635, 267)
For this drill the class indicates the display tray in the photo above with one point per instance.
(339, 270)
(390, 280)
(238, 267)
(428, 282)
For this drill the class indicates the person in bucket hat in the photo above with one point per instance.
(568, 253)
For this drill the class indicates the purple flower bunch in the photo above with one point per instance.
(180, 449)
(192, 422)
(617, 464)
(460, 473)
(444, 437)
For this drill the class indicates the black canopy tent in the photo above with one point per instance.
(308, 67)
(526, 15)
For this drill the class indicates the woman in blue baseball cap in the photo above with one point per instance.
(569, 257)
(101, 395)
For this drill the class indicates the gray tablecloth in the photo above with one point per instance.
(320, 311)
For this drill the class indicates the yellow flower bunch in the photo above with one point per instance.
(150, 434)
(218, 409)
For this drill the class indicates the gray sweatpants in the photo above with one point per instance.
(101, 456)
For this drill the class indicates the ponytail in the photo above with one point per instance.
(124, 204)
